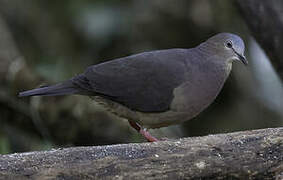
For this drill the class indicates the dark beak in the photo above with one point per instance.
(242, 58)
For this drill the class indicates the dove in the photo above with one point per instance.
(157, 88)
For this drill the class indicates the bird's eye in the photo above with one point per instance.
(229, 44)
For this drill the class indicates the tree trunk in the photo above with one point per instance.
(265, 20)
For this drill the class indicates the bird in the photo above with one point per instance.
(157, 88)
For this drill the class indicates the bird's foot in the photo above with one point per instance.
(148, 136)
(143, 132)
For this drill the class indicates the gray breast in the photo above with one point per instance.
(200, 90)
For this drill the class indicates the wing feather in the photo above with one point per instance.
(143, 82)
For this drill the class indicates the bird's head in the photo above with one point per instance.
(228, 45)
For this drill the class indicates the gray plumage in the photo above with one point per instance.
(157, 88)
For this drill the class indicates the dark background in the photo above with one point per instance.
(45, 41)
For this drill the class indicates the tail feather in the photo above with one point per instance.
(64, 88)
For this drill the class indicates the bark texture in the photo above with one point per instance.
(253, 154)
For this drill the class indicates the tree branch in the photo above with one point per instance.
(241, 155)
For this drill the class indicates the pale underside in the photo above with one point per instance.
(146, 120)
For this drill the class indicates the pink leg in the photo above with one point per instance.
(143, 132)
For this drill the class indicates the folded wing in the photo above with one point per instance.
(143, 82)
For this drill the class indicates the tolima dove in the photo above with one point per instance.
(158, 88)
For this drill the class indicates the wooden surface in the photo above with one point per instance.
(256, 154)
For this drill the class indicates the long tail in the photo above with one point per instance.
(63, 88)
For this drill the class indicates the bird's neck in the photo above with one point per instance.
(209, 53)
(207, 48)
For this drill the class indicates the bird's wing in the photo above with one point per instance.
(143, 82)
